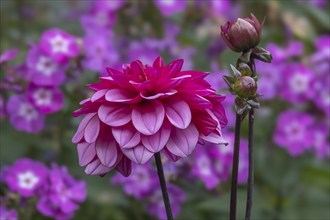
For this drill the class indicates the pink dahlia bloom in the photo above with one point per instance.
(59, 45)
(144, 110)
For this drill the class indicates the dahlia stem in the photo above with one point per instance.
(251, 168)
(233, 195)
(163, 186)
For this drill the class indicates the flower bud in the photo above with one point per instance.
(245, 87)
(242, 35)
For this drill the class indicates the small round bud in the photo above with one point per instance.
(243, 34)
(245, 87)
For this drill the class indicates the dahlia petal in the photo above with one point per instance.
(97, 168)
(115, 114)
(138, 154)
(106, 150)
(214, 137)
(170, 156)
(124, 166)
(173, 68)
(204, 122)
(78, 136)
(161, 94)
(158, 63)
(126, 136)
(92, 129)
(156, 142)
(137, 68)
(99, 94)
(148, 117)
(182, 142)
(120, 95)
(178, 113)
(86, 153)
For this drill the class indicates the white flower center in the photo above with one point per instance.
(325, 97)
(28, 112)
(203, 165)
(27, 180)
(46, 66)
(168, 2)
(59, 44)
(42, 97)
(299, 83)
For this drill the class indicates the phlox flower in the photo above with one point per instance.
(26, 177)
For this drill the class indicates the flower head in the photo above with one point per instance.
(26, 177)
(293, 132)
(243, 34)
(62, 195)
(59, 45)
(23, 114)
(144, 110)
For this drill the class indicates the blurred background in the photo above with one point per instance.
(39, 93)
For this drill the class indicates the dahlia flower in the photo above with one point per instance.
(143, 110)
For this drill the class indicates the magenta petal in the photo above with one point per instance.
(183, 141)
(165, 94)
(126, 136)
(138, 154)
(170, 156)
(97, 168)
(148, 117)
(115, 114)
(214, 137)
(92, 129)
(99, 94)
(178, 113)
(120, 95)
(106, 151)
(81, 129)
(124, 166)
(86, 153)
(158, 63)
(156, 142)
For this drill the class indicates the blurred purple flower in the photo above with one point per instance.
(99, 52)
(170, 7)
(43, 69)
(62, 194)
(140, 183)
(282, 54)
(26, 177)
(46, 99)
(8, 55)
(321, 141)
(269, 79)
(212, 163)
(296, 83)
(156, 206)
(142, 51)
(59, 45)
(107, 5)
(8, 214)
(3, 112)
(294, 132)
(23, 115)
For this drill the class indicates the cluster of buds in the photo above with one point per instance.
(244, 35)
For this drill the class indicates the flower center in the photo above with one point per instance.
(299, 83)
(42, 97)
(28, 112)
(27, 180)
(46, 66)
(59, 44)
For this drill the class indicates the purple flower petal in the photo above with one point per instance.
(92, 129)
(96, 168)
(138, 154)
(126, 136)
(86, 153)
(183, 142)
(115, 114)
(156, 142)
(148, 117)
(178, 113)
